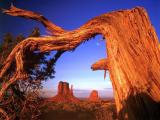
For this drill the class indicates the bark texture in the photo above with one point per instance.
(100, 65)
(134, 65)
(133, 56)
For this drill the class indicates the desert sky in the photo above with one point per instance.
(74, 67)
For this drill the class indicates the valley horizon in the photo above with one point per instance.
(106, 93)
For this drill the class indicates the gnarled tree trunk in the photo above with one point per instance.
(133, 56)
(134, 65)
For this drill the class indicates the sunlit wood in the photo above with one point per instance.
(133, 57)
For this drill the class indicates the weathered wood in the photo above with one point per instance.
(133, 57)
(13, 11)
(102, 64)
(134, 65)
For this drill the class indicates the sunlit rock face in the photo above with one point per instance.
(63, 88)
(65, 94)
(94, 97)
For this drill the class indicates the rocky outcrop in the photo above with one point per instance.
(65, 94)
(94, 97)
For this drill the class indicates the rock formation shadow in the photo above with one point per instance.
(145, 108)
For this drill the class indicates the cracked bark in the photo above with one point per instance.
(102, 64)
(133, 56)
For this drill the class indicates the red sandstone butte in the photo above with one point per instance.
(94, 97)
(65, 94)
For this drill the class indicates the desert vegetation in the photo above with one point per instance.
(21, 100)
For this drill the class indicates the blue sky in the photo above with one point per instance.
(74, 67)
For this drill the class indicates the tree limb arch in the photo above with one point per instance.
(68, 40)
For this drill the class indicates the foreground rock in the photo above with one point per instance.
(94, 97)
(65, 94)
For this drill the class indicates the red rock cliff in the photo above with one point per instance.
(65, 94)
(94, 97)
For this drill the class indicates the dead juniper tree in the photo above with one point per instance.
(133, 57)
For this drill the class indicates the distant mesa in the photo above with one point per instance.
(94, 97)
(65, 94)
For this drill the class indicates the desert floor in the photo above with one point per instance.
(84, 110)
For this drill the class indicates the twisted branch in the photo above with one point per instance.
(61, 42)
(54, 29)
